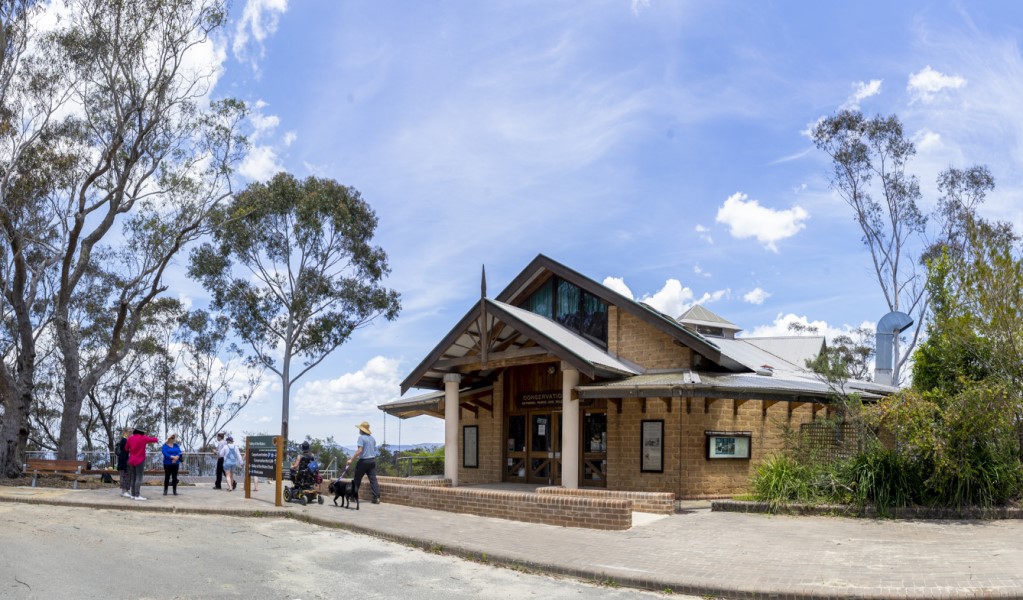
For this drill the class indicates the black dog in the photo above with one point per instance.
(345, 491)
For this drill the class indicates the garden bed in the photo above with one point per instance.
(845, 510)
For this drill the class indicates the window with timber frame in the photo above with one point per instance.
(573, 307)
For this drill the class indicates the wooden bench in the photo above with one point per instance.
(47, 465)
(73, 467)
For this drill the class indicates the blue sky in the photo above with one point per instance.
(659, 147)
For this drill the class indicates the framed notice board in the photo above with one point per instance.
(728, 444)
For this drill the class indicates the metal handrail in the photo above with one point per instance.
(197, 464)
(419, 466)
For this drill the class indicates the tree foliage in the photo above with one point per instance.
(292, 263)
(870, 161)
(107, 135)
(870, 156)
(975, 334)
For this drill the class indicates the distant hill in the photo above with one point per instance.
(409, 447)
(350, 450)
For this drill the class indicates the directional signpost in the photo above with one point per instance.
(263, 456)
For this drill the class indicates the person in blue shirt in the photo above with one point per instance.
(171, 463)
(366, 455)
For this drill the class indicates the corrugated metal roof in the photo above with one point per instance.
(690, 383)
(655, 379)
(795, 349)
(754, 358)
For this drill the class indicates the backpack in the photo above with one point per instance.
(233, 458)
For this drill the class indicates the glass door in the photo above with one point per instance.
(515, 467)
(594, 449)
(544, 449)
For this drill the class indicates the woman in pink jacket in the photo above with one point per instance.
(136, 446)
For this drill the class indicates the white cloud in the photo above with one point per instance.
(748, 219)
(639, 5)
(928, 83)
(780, 327)
(351, 393)
(672, 299)
(756, 296)
(260, 164)
(290, 137)
(263, 124)
(262, 161)
(792, 157)
(714, 296)
(258, 21)
(700, 271)
(618, 284)
(704, 234)
(861, 91)
(808, 131)
(926, 140)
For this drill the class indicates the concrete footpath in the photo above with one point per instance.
(696, 552)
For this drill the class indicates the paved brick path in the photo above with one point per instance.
(698, 552)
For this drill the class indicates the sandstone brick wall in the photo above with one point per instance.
(548, 509)
(649, 502)
(687, 472)
(490, 434)
(634, 340)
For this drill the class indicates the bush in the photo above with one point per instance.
(955, 451)
(781, 479)
(880, 477)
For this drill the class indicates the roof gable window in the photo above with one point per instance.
(573, 307)
(710, 331)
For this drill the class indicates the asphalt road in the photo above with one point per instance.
(58, 552)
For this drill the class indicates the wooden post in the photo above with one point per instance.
(248, 467)
(279, 441)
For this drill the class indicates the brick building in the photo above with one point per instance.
(559, 380)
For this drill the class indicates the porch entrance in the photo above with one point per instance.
(533, 452)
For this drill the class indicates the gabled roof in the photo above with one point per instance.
(494, 334)
(701, 315)
(542, 267)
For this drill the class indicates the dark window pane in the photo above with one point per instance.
(596, 432)
(568, 299)
(574, 308)
(542, 301)
(517, 433)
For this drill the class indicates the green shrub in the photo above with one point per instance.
(880, 477)
(781, 479)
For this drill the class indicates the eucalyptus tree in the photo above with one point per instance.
(113, 103)
(33, 165)
(292, 263)
(870, 161)
(215, 383)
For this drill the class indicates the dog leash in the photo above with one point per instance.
(343, 473)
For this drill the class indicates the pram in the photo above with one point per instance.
(306, 481)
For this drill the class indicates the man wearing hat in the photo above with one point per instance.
(366, 456)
